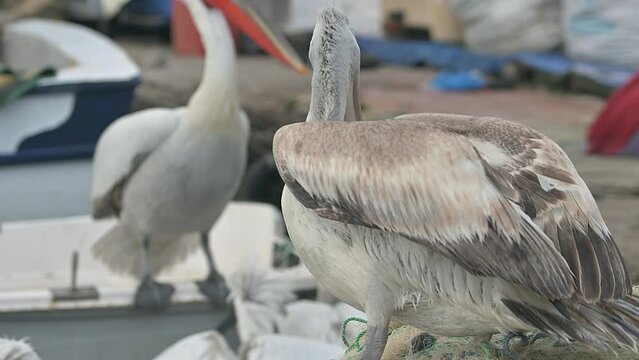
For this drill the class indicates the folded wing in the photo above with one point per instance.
(426, 183)
(534, 172)
(122, 148)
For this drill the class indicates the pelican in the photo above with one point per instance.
(457, 225)
(168, 173)
(16, 350)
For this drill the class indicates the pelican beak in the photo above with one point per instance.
(244, 17)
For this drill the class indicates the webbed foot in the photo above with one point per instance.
(215, 289)
(151, 294)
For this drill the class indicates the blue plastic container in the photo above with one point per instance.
(161, 8)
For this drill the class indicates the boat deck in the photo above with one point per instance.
(37, 262)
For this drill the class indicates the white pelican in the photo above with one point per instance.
(16, 350)
(166, 173)
(458, 225)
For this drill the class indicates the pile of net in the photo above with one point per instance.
(408, 343)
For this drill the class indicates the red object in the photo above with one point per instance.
(616, 129)
(184, 35)
(237, 16)
(186, 39)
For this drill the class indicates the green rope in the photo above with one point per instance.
(486, 348)
(356, 343)
(20, 84)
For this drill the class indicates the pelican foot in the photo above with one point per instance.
(507, 351)
(215, 289)
(152, 294)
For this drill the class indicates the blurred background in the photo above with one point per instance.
(564, 67)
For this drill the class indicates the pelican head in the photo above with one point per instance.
(335, 58)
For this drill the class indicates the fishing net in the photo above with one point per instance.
(408, 343)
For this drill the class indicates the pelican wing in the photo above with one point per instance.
(123, 146)
(427, 184)
(537, 174)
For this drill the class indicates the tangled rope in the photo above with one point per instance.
(356, 343)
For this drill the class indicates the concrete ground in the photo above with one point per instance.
(274, 95)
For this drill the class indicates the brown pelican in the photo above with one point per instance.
(458, 225)
(167, 173)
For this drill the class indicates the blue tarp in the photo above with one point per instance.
(456, 58)
(466, 80)
(438, 55)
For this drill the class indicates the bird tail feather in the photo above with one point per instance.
(120, 249)
(601, 324)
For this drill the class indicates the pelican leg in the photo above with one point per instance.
(376, 338)
(379, 311)
(213, 287)
(151, 294)
(507, 339)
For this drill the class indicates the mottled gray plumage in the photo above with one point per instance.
(510, 207)
(408, 164)
(333, 72)
(481, 224)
